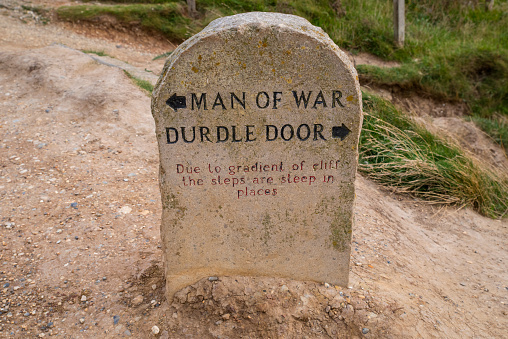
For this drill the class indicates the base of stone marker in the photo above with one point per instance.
(175, 283)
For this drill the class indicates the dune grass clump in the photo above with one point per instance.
(396, 151)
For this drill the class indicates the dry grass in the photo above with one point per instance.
(399, 153)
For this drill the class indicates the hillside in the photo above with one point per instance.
(80, 212)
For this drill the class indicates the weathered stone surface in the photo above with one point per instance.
(258, 118)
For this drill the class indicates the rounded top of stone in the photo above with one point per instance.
(291, 27)
(258, 18)
(263, 20)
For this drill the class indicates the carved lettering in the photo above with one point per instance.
(201, 101)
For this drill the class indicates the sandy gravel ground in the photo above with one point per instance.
(80, 210)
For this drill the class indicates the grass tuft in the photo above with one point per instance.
(143, 84)
(397, 152)
(99, 53)
(162, 56)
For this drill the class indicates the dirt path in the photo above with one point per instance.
(31, 33)
(80, 212)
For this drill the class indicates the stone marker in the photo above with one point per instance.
(258, 118)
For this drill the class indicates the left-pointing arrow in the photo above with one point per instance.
(176, 102)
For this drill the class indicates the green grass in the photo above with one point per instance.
(397, 152)
(167, 18)
(99, 53)
(143, 84)
(453, 52)
(132, 1)
(496, 127)
(40, 11)
(162, 56)
(476, 76)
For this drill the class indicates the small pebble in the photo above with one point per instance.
(155, 329)
(74, 205)
(213, 278)
(82, 320)
(137, 300)
(83, 298)
(127, 333)
(125, 210)
(116, 319)
(365, 330)
(6, 285)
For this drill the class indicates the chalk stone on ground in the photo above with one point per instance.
(258, 118)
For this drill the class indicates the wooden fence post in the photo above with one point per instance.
(191, 5)
(489, 4)
(399, 22)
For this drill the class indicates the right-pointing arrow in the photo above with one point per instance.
(340, 132)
